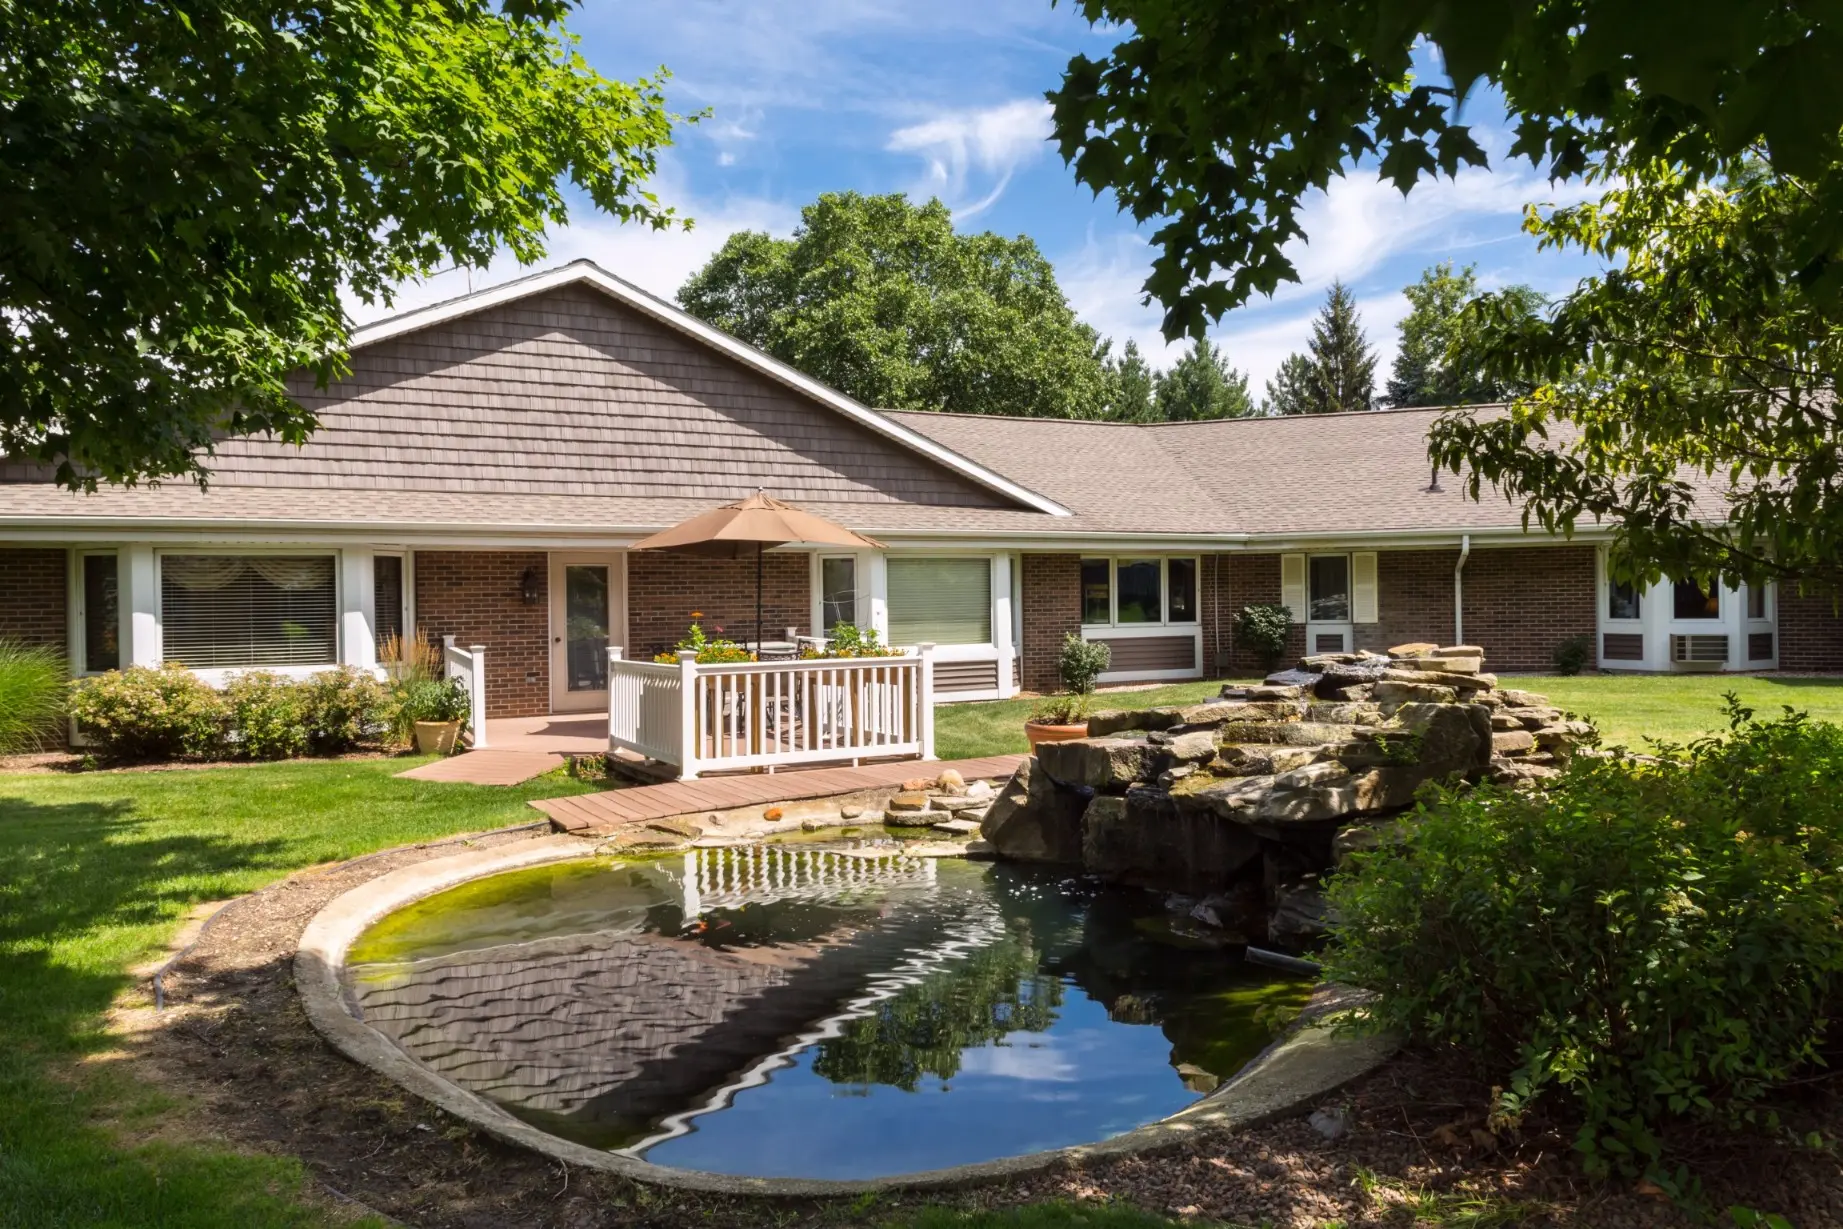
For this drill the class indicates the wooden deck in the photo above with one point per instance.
(620, 807)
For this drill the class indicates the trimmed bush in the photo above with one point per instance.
(1653, 941)
(1081, 662)
(142, 713)
(33, 691)
(268, 715)
(345, 707)
(1263, 629)
(1573, 654)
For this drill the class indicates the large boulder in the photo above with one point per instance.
(1147, 838)
(1098, 763)
(1032, 820)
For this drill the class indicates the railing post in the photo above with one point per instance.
(614, 656)
(926, 715)
(689, 725)
(476, 686)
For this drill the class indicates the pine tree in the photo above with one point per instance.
(1344, 365)
(1291, 391)
(1201, 384)
(1132, 386)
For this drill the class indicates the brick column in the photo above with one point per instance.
(475, 596)
(1052, 609)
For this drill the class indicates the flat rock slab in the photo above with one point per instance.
(487, 766)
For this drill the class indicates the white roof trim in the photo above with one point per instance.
(589, 273)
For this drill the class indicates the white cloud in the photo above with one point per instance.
(961, 147)
(1030, 1057)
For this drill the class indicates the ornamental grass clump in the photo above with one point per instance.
(1651, 942)
(33, 685)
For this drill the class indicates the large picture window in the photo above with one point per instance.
(1138, 592)
(248, 611)
(940, 601)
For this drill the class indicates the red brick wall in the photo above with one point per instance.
(1213, 610)
(1810, 627)
(35, 609)
(1253, 580)
(1414, 599)
(1052, 609)
(1521, 602)
(475, 596)
(664, 589)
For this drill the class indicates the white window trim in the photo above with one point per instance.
(860, 576)
(218, 676)
(78, 646)
(1113, 629)
(1657, 623)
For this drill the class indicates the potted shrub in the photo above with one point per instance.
(433, 712)
(1061, 718)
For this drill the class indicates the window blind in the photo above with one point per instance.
(248, 610)
(940, 601)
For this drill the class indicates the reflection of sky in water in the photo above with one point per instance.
(1125, 1081)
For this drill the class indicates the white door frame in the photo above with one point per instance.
(562, 699)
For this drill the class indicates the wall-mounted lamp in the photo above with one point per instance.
(528, 587)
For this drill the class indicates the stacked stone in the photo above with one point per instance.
(1272, 782)
(945, 802)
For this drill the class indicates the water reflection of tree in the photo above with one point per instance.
(923, 1029)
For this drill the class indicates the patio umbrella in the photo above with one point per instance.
(753, 525)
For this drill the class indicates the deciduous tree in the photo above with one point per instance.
(1440, 360)
(187, 190)
(883, 300)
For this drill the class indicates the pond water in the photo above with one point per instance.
(816, 1012)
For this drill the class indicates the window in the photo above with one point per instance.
(1328, 600)
(102, 620)
(1097, 591)
(387, 598)
(248, 610)
(1693, 601)
(838, 592)
(1141, 596)
(940, 601)
(1621, 600)
(1181, 583)
(1756, 602)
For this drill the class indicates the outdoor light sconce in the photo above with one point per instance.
(528, 587)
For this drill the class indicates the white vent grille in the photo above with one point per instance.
(1699, 650)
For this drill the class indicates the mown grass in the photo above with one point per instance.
(96, 873)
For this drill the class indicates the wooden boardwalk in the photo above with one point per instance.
(640, 804)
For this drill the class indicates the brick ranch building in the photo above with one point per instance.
(488, 461)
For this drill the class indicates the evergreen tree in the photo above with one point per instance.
(1133, 386)
(1343, 364)
(1291, 391)
(1440, 361)
(1201, 384)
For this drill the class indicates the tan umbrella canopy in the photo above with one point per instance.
(753, 525)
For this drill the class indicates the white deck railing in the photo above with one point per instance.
(468, 667)
(772, 714)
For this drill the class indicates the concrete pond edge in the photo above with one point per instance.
(1291, 1076)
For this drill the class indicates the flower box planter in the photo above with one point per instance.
(1039, 732)
(437, 737)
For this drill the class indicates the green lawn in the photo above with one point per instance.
(1626, 707)
(96, 871)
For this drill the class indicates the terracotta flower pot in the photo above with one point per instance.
(1039, 732)
(437, 737)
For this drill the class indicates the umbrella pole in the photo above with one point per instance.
(758, 601)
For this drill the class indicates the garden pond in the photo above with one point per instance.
(815, 1011)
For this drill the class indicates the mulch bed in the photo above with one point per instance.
(236, 1045)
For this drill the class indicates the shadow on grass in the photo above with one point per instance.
(81, 884)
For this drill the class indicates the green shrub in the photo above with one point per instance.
(143, 713)
(429, 700)
(1263, 629)
(1655, 941)
(1573, 654)
(269, 715)
(344, 708)
(709, 652)
(850, 640)
(33, 689)
(1081, 662)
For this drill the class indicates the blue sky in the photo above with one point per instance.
(944, 98)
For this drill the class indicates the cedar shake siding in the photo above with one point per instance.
(35, 611)
(568, 392)
(1522, 602)
(475, 596)
(1052, 610)
(1414, 600)
(665, 589)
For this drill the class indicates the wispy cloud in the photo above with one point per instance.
(982, 147)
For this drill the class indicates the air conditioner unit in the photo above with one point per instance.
(1699, 652)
